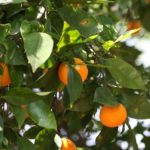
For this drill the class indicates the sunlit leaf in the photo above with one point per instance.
(108, 45)
(69, 36)
(38, 47)
(126, 35)
(42, 115)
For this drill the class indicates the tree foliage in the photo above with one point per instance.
(36, 36)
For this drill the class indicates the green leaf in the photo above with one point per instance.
(4, 30)
(69, 36)
(21, 95)
(28, 27)
(32, 132)
(42, 115)
(108, 45)
(25, 144)
(19, 114)
(74, 86)
(125, 74)
(15, 55)
(83, 104)
(104, 96)
(5, 143)
(80, 20)
(45, 140)
(138, 106)
(144, 18)
(126, 35)
(38, 47)
(1, 129)
(106, 136)
(50, 81)
(16, 22)
(16, 75)
(85, 101)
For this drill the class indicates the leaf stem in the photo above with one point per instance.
(132, 135)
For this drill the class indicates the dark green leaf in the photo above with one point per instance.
(1, 129)
(16, 23)
(125, 74)
(24, 144)
(85, 101)
(106, 136)
(32, 132)
(16, 75)
(15, 55)
(54, 26)
(138, 106)
(49, 81)
(19, 114)
(45, 140)
(19, 96)
(4, 30)
(104, 96)
(132, 137)
(28, 27)
(145, 20)
(42, 115)
(74, 86)
(80, 20)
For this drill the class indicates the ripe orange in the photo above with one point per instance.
(78, 65)
(4, 77)
(134, 25)
(113, 116)
(67, 144)
(23, 107)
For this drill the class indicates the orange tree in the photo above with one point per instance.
(40, 37)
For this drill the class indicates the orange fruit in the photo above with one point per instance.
(67, 144)
(23, 107)
(113, 116)
(78, 65)
(134, 25)
(4, 77)
(148, 1)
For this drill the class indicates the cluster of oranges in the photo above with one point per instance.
(110, 116)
